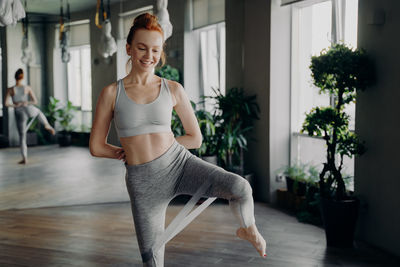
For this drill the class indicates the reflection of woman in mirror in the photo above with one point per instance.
(24, 109)
(159, 165)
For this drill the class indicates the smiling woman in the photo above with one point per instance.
(159, 166)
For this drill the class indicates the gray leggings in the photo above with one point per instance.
(152, 185)
(22, 115)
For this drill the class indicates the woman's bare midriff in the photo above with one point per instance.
(146, 147)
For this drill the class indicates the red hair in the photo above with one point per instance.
(149, 22)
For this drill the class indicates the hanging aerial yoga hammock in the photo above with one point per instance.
(10, 12)
(163, 18)
(107, 46)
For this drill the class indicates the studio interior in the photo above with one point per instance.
(296, 99)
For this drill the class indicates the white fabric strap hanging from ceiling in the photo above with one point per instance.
(163, 18)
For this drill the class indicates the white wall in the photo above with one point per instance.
(279, 117)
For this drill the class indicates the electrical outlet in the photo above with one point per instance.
(279, 178)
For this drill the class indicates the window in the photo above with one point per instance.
(315, 25)
(79, 77)
(212, 51)
(76, 74)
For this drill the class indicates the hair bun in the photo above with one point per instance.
(145, 20)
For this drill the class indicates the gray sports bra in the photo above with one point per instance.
(134, 119)
(19, 94)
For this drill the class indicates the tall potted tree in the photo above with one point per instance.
(340, 72)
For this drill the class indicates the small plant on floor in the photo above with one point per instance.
(296, 177)
(51, 111)
(66, 115)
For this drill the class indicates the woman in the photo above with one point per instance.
(24, 109)
(159, 166)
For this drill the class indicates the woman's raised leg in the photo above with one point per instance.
(225, 185)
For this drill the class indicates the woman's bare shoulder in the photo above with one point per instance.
(175, 87)
(110, 90)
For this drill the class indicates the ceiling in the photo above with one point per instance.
(52, 7)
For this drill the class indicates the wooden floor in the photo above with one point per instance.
(103, 234)
(58, 176)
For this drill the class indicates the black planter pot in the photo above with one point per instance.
(295, 187)
(289, 184)
(339, 218)
(301, 189)
(64, 139)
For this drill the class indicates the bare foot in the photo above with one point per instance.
(50, 129)
(252, 235)
(24, 161)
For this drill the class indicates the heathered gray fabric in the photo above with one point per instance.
(19, 94)
(133, 119)
(154, 184)
(22, 114)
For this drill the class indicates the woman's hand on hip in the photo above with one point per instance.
(120, 154)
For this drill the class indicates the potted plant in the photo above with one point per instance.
(235, 113)
(310, 212)
(296, 177)
(209, 146)
(32, 133)
(51, 113)
(168, 72)
(65, 114)
(34, 136)
(340, 72)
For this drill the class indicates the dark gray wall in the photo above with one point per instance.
(175, 44)
(257, 14)
(234, 23)
(377, 178)
(248, 66)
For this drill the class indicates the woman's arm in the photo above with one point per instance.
(8, 98)
(31, 94)
(98, 136)
(192, 137)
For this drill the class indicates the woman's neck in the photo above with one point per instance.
(18, 83)
(141, 78)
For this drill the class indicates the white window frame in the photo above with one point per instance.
(221, 59)
(72, 48)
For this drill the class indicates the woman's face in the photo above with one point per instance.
(145, 49)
